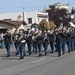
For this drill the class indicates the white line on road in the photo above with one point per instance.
(38, 60)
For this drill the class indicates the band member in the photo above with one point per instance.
(68, 37)
(59, 39)
(51, 40)
(72, 39)
(39, 41)
(29, 42)
(35, 47)
(15, 38)
(45, 42)
(56, 42)
(21, 43)
(64, 41)
(7, 39)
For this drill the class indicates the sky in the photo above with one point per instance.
(29, 5)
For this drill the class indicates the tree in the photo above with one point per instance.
(59, 16)
(44, 25)
(52, 25)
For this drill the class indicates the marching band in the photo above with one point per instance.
(57, 40)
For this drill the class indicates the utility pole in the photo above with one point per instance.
(68, 3)
(23, 13)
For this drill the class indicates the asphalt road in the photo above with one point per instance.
(34, 65)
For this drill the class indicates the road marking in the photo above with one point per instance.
(38, 60)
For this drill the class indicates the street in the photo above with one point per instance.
(34, 65)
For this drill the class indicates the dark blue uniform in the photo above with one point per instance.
(15, 38)
(52, 41)
(7, 39)
(59, 40)
(45, 42)
(21, 45)
(68, 37)
(29, 44)
(72, 41)
(35, 47)
(64, 42)
(39, 43)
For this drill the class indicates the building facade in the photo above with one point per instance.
(11, 25)
(28, 17)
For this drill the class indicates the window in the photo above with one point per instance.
(29, 20)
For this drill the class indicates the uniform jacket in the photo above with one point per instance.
(51, 37)
(7, 38)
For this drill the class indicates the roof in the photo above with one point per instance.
(42, 15)
(15, 23)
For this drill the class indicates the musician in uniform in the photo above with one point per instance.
(39, 41)
(45, 41)
(59, 40)
(21, 43)
(29, 42)
(51, 40)
(64, 41)
(72, 39)
(35, 48)
(15, 38)
(56, 42)
(68, 37)
(7, 40)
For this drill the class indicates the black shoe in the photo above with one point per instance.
(56, 50)
(59, 55)
(8, 56)
(63, 53)
(51, 52)
(24, 54)
(45, 53)
(21, 57)
(29, 53)
(36, 52)
(68, 51)
(40, 55)
(16, 53)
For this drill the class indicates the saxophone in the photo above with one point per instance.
(20, 40)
